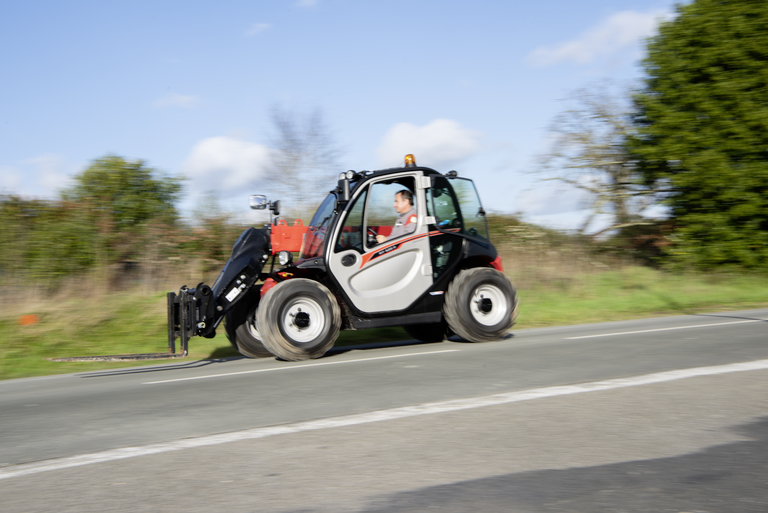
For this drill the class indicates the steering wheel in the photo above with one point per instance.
(372, 237)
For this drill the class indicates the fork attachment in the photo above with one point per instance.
(181, 319)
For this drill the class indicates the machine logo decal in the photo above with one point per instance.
(385, 251)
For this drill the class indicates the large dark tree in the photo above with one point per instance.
(702, 125)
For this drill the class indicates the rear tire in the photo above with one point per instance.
(434, 332)
(299, 319)
(241, 327)
(481, 304)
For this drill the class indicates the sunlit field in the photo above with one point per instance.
(556, 286)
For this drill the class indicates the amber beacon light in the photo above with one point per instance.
(410, 161)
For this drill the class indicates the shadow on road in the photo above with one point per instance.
(197, 364)
(335, 351)
(726, 478)
(338, 350)
(400, 343)
(725, 316)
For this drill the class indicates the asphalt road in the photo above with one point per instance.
(556, 419)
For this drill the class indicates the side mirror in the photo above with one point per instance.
(258, 202)
(274, 207)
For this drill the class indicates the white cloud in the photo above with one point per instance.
(441, 143)
(621, 30)
(257, 28)
(50, 175)
(224, 164)
(186, 101)
(38, 177)
(10, 179)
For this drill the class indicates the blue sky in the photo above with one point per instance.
(188, 87)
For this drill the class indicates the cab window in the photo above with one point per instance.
(382, 218)
(445, 207)
(351, 233)
(456, 207)
(472, 212)
(313, 243)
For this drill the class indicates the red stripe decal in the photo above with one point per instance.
(388, 249)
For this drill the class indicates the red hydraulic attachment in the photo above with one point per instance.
(287, 238)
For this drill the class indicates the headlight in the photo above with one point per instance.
(285, 257)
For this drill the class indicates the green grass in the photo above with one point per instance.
(636, 292)
(121, 323)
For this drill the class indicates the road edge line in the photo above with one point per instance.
(376, 416)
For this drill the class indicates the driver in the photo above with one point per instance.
(406, 221)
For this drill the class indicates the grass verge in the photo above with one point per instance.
(636, 292)
(121, 323)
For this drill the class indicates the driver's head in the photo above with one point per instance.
(403, 201)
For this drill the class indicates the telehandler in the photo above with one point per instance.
(441, 276)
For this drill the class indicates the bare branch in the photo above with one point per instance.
(588, 152)
(304, 158)
(623, 225)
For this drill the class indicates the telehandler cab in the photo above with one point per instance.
(441, 277)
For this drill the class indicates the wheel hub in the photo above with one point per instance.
(488, 305)
(301, 319)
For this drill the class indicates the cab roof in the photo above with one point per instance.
(364, 176)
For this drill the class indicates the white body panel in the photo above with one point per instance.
(389, 276)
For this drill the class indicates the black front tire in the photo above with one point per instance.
(481, 304)
(241, 327)
(299, 319)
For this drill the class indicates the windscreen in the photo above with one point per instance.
(314, 240)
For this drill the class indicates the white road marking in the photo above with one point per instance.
(301, 366)
(665, 329)
(375, 416)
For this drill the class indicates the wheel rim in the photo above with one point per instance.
(303, 320)
(488, 305)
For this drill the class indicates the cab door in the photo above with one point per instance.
(387, 276)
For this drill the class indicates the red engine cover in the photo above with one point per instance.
(287, 238)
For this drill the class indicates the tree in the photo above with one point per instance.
(121, 196)
(104, 218)
(702, 131)
(42, 239)
(126, 193)
(589, 152)
(304, 157)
